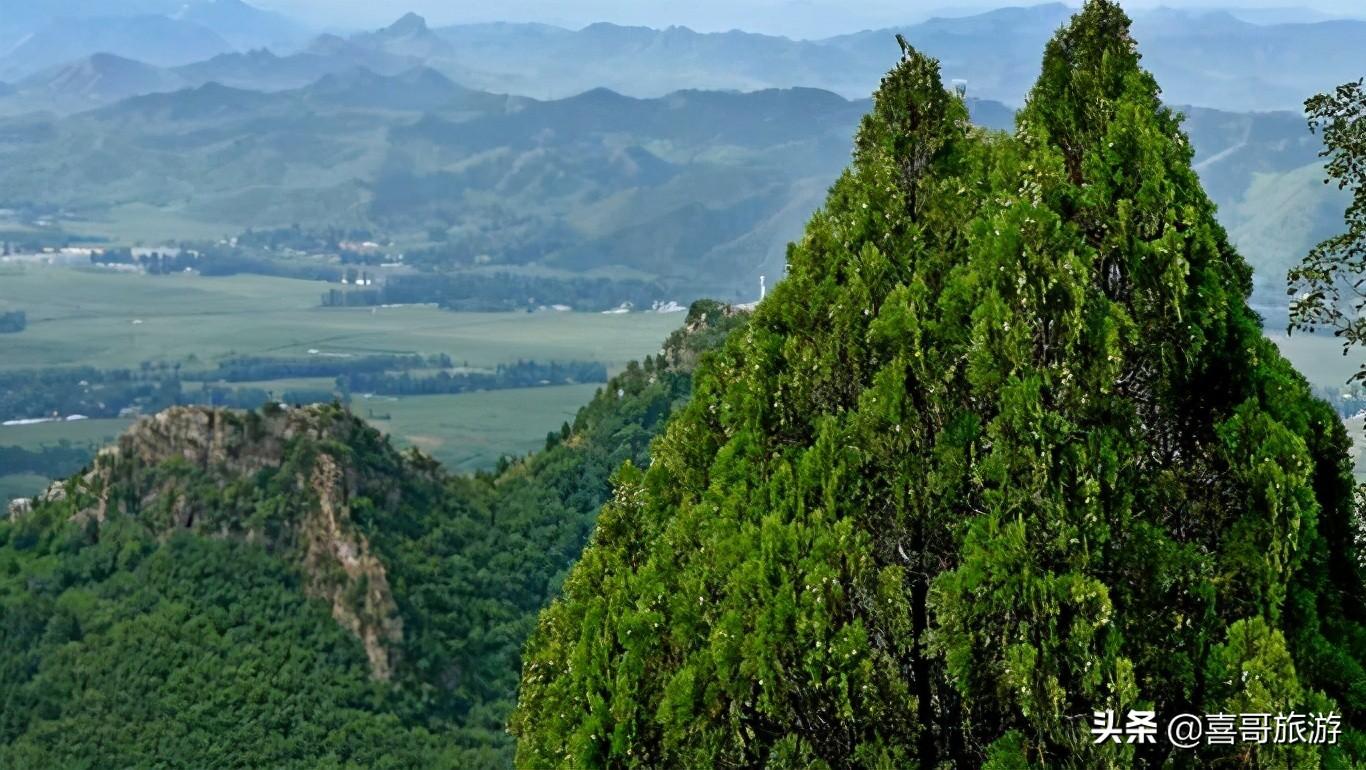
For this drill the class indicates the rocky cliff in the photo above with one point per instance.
(282, 477)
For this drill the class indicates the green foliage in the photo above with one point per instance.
(179, 630)
(122, 651)
(1329, 286)
(1006, 447)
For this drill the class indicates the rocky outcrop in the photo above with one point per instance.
(361, 601)
(707, 325)
(171, 470)
(19, 508)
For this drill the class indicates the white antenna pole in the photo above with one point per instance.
(763, 291)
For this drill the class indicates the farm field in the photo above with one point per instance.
(33, 437)
(20, 485)
(85, 317)
(114, 320)
(92, 433)
(470, 431)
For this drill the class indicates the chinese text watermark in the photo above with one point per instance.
(1187, 731)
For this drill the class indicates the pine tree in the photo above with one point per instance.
(1005, 448)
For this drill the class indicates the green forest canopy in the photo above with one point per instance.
(1006, 447)
(190, 628)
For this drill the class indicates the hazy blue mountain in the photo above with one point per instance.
(419, 90)
(87, 83)
(356, 53)
(264, 70)
(241, 24)
(1290, 14)
(1264, 172)
(1209, 58)
(996, 54)
(20, 17)
(212, 101)
(1218, 60)
(409, 37)
(545, 61)
(697, 188)
(701, 190)
(1212, 59)
(157, 40)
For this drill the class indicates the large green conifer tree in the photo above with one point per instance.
(1005, 448)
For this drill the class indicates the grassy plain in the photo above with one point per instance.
(91, 318)
(20, 485)
(470, 431)
(85, 317)
(81, 432)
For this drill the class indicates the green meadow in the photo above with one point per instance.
(86, 317)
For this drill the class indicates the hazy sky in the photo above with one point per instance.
(797, 18)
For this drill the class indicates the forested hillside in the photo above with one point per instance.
(284, 589)
(1006, 448)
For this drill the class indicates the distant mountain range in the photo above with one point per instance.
(605, 148)
(90, 82)
(700, 190)
(1210, 59)
(157, 31)
(1213, 59)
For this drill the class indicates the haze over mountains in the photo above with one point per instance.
(596, 148)
(1207, 58)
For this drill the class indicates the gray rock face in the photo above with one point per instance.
(20, 508)
(170, 463)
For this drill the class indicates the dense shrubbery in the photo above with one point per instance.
(124, 650)
(1006, 447)
(179, 634)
